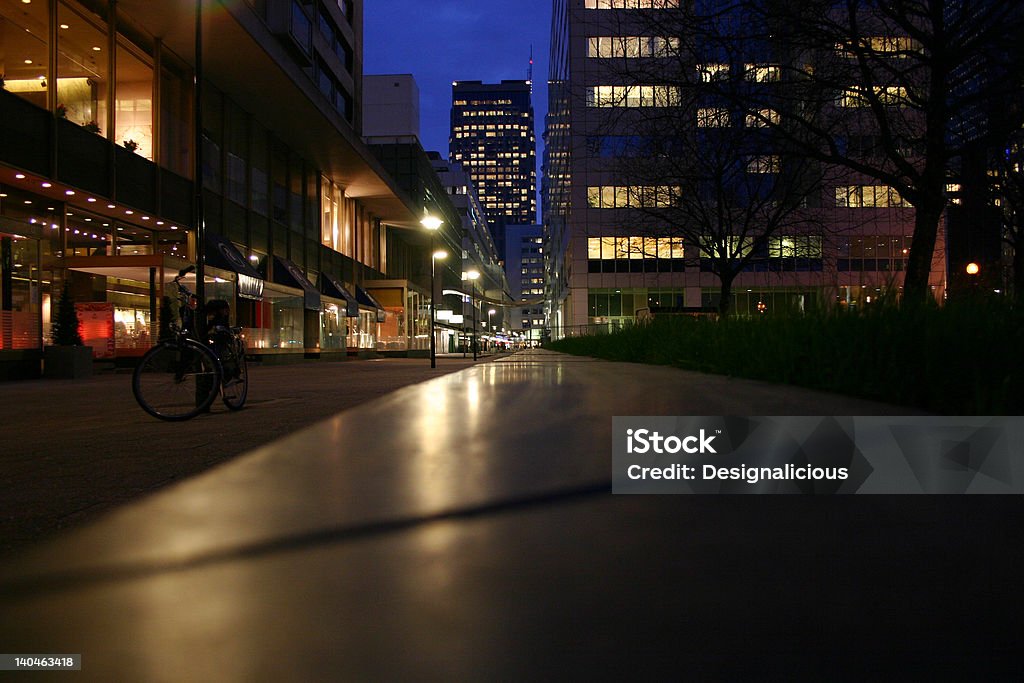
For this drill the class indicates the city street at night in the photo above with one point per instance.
(546, 340)
(445, 529)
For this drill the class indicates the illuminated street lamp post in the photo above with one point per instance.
(432, 223)
(198, 214)
(472, 276)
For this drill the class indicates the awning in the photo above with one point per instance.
(366, 300)
(331, 286)
(221, 253)
(288, 274)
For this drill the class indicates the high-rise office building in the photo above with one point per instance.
(612, 255)
(492, 136)
(524, 263)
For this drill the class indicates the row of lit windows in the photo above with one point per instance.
(633, 96)
(887, 95)
(896, 46)
(629, 47)
(480, 103)
(780, 246)
(631, 4)
(494, 114)
(493, 126)
(492, 134)
(631, 196)
(613, 248)
(758, 73)
(720, 117)
(869, 196)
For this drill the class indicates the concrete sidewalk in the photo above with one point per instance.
(463, 528)
(75, 449)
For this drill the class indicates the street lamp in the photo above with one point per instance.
(472, 276)
(432, 223)
(198, 213)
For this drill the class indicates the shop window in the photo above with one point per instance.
(19, 288)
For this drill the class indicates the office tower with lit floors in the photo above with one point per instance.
(492, 136)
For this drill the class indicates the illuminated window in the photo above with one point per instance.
(712, 117)
(631, 4)
(733, 246)
(762, 73)
(712, 72)
(800, 246)
(762, 118)
(634, 196)
(887, 95)
(892, 46)
(632, 96)
(631, 46)
(869, 196)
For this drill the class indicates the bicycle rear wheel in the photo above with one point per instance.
(176, 381)
(235, 387)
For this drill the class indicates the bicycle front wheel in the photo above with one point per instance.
(176, 381)
(236, 375)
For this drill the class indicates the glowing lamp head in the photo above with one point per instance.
(440, 254)
(973, 268)
(431, 222)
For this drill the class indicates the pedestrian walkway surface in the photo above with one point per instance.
(464, 528)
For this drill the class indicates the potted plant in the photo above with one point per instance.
(62, 111)
(92, 127)
(131, 145)
(67, 358)
(3, 81)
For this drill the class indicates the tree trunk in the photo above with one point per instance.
(725, 296)
(922, 250)
(1018, 267)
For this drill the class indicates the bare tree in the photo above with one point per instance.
(898, 91)
(688, 158)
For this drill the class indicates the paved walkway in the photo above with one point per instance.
(462, 528)
(85, 446)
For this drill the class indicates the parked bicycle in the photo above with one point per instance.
(181, 376)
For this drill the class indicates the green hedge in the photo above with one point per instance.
(965, 359)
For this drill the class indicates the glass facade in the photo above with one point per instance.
(114, 217)
(83, 69)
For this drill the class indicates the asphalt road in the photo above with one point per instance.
(73, 449)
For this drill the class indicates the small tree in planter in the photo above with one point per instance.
(64, 330)
(131, 145)
(67, 358)
(92, 127)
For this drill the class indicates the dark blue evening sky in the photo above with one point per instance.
(440, 41)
